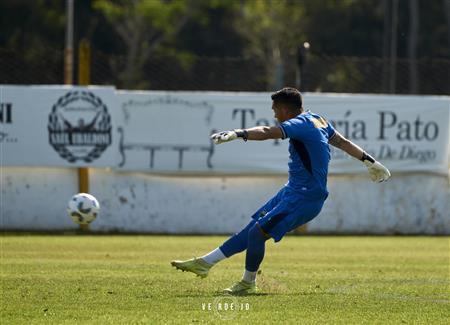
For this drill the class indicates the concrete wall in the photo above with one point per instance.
(35, 199)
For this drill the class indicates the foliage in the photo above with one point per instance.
(134, 32)
(273, 30)
(34, 31)
(143, 25)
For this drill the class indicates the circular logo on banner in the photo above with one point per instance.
(79, 127)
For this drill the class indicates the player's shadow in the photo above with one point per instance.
(274, 293)
(222, 294)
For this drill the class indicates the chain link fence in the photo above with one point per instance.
(321, 73)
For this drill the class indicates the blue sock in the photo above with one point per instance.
(238, 242)
(255, 248)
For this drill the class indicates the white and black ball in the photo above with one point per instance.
(83, 208)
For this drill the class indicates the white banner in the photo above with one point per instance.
(406, 133)
(58, 126)
(169, 131)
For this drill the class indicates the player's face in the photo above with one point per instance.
(280, 113)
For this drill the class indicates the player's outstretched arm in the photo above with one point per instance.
(377, 172)
(255, 133)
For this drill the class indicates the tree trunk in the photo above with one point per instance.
(393, 54)
(412, 46)
(447, 10)
(385, 47)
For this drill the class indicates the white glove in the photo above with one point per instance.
(378, 173)
(224, 136)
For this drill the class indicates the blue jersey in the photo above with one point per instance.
(309, 153)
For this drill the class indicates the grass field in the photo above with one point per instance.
(304, 280)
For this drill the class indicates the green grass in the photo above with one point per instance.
(304, 280)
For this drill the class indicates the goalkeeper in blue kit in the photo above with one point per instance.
(301, 198)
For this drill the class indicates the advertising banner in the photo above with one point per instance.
(169, 131)
(58, 126)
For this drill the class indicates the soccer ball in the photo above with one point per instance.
(83, 208)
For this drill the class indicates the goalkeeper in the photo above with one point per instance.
(301, 198)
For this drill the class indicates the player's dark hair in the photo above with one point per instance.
(288, 97)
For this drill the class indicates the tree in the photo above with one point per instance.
(273, 30)
(143, 26)
(32, 32)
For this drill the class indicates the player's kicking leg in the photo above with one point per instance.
(275, 224)
(201, 265)
(235, 244)
(195, 265)
(251, 238)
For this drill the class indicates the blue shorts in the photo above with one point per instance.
(286, 211)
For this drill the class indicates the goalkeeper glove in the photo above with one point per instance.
(226, 136)
(378, 173)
